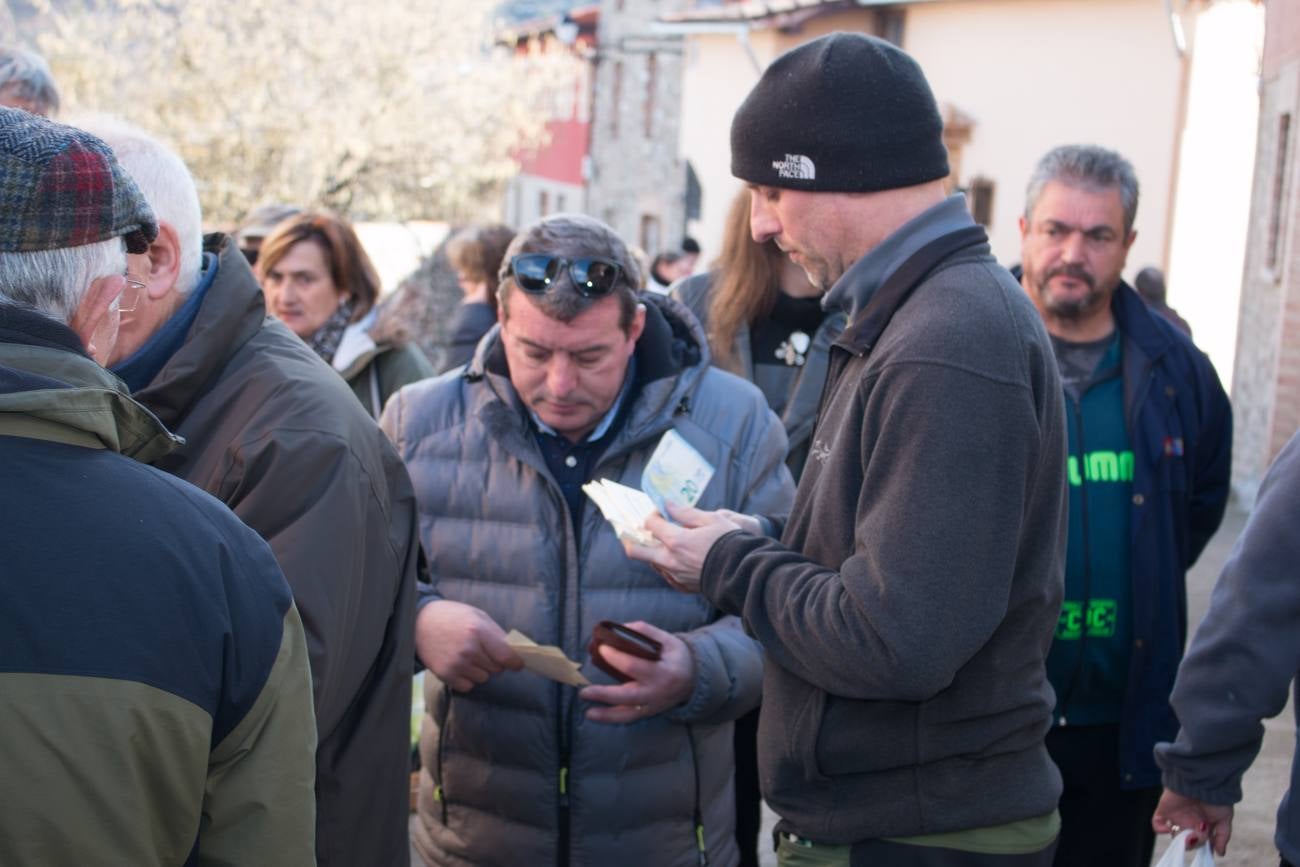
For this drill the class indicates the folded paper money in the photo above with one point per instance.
(625, 508)
(675, 473)
(546, 660)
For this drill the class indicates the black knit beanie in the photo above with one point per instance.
(845, 113)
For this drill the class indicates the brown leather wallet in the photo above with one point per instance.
(623, 638)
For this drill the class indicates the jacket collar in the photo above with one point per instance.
(143, 365)
(853, 291)
(51, 390)
(871, 320)
(232, 312)
(1139, 324)
(22, 326)
(1142, 327)
(357, 347)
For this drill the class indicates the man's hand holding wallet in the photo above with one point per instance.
(651, 686)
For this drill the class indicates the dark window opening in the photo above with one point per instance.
(1277, 206)
(651, 84)
(650, 235)
(981, 201)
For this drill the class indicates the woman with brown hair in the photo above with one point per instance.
(319, 281)
(765, 323)
(476, 254)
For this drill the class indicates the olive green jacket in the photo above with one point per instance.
(377, 364)
(154, 682)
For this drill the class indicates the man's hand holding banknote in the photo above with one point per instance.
(673, 481)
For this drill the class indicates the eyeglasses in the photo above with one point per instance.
(536, 272)
(130, 297)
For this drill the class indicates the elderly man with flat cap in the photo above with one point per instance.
(907, 610)
(276, 435)
(154, 680)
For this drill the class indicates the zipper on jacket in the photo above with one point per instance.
(562, 850)
(439, 794)
(561, 711)
(1077, 408)
(836, 362)
(698, 817)
(1139, 395)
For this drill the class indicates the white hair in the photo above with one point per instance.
(25, 74)
(54, 282)
(165, 183)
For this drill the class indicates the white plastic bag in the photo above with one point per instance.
(1176, 854)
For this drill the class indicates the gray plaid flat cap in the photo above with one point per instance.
(61, 187)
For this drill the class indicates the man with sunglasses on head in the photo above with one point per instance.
(581, 380)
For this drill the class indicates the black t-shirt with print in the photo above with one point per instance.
(779, 344)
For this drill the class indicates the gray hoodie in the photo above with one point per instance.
(1244, 658)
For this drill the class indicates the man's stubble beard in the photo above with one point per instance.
(1071, 309)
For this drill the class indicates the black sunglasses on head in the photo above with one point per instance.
(536, 272)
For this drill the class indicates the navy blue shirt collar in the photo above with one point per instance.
(145, 363)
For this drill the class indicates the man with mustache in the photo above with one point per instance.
(1150, 439)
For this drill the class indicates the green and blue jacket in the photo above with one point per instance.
(154, 684)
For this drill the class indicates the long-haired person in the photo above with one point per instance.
(319, 281)
(765, 323)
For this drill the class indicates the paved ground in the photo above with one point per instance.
(1267, 780)
(1252, 840)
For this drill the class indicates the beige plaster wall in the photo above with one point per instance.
(1034, 74)
(1030, 73)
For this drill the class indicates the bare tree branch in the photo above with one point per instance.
(388, 109)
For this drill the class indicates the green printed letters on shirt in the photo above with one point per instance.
(1089, 661)
(1099, 622)
(1103, 466)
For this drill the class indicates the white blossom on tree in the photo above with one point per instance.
(380, 109)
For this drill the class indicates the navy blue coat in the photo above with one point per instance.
(1180, 423)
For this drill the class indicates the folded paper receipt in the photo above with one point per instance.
(546, 660)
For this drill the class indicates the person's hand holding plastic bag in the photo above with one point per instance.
(1176, 854)
(1211, 823)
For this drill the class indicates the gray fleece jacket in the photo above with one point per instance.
(1244, 658)
(909, 607)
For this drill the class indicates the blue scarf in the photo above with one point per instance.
(145, 363)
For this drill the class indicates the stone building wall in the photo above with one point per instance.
(636, 180)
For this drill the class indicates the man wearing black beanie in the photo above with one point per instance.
(908, 608)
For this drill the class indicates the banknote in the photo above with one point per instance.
(625, 508)
(676, 473)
